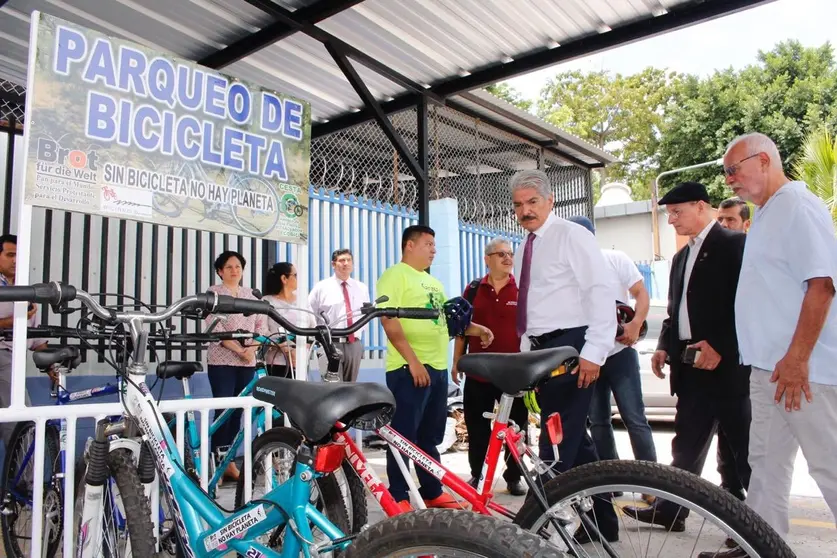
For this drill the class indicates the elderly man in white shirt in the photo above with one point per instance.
(786, 329)
(564, 299)
(339, 297)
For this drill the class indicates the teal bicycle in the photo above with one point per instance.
(183, 371)
(279, 524)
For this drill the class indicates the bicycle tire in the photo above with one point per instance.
(135, 504)
(51, 455)
(357, 494)
(333, 505)
(486, 536)
(692, 488)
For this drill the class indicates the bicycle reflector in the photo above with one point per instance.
(554, 429)
(329, 458)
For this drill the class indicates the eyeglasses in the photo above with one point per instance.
(678, 211)
(732, 169)
(502, 254)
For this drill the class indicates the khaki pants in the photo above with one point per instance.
(775, 437)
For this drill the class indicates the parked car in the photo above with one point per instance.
(659, 403)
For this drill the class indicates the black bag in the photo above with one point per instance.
(470, 294)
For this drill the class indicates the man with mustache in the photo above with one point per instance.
(564, 299)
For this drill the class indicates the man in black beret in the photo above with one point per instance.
(699, 343)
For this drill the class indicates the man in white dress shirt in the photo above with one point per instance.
(339, 297)
(786, 330)
(564, 299)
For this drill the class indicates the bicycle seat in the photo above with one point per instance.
(516, 372)
(69, 357)
(315, 407)
(178, 369)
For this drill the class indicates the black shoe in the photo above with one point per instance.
(474, 482)
(729, 543)
(653, 516)
(517, 488)
(584, 536)
(736, 552)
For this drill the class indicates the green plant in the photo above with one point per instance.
(818, 167)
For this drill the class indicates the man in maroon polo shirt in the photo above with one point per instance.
(495, 306)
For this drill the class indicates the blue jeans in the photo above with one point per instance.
(621, 375)
(420, 416)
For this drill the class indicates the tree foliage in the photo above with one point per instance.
(790, 92)
(509, 94)
(657, 120)
(621, 114)
(817, 167)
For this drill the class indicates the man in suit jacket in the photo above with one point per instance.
(699, 342)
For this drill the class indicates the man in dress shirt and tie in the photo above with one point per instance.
(339, 297)
(564, 299)
(699, 343)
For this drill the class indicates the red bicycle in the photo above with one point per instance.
(559, 508)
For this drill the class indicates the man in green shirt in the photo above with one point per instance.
(417, 360)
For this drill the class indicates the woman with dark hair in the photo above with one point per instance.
(280, 286)
(231, 365)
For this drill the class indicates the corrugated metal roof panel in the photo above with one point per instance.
(425, 40)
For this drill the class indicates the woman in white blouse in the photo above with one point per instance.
(280, 286)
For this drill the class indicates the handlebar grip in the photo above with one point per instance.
(42, 293)
(418, 313)
(231, 305)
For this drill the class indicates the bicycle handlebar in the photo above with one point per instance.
(56, 294)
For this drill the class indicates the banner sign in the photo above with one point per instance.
(118, 130)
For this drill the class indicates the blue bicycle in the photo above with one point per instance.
(17, 477)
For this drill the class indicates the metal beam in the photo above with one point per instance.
(276, 31)
(509, 130)
(422, 191)
(315, 32)
(10, 168)
(677, 18)
(371, 104)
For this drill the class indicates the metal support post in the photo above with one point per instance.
(10, 168)
(422, 182)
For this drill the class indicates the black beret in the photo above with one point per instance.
(685, 192)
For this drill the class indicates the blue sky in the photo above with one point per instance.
(729, 41)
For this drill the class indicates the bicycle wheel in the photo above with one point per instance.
(724, 515)
(440, 532)
(126, 519)
(353, 492)
(278, 446)
(17, 483)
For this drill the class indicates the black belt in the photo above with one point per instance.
(538, 340)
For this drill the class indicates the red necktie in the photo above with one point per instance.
(523, 286)
(349, 319)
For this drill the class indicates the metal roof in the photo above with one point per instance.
(401, 48)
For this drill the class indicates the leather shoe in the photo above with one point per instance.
(653, 516)
(517, 488)
(736, 552)
(583, 536)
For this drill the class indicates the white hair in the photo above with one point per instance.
(495, 243)
(531, 179)
(756, 142)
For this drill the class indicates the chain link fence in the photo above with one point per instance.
(10, 110)
(469, 160)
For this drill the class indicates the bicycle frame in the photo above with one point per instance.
(480, 499)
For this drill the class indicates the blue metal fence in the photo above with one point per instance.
(370, 229)
(472, 241)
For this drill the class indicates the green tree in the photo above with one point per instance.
(817, 167)
(790, 91)
(621, 114)
(508, 93)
